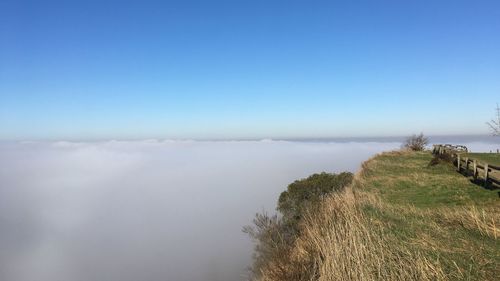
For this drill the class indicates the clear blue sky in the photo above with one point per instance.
(247, 69)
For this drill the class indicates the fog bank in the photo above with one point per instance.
(148, 210)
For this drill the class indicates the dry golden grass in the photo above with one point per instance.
(486, 221)
(340, 243)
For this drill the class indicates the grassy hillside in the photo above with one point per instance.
(400, 219)
(437, 212)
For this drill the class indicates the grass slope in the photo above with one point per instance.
(490, 158)
(435, 211)
(399, 220)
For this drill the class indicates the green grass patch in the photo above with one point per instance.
(490, 158)
(408, 179)
(427, 207)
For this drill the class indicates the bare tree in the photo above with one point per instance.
(495, 124)
(416, 142)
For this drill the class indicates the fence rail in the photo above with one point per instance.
(479, 170)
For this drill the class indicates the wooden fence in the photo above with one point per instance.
(479, 170)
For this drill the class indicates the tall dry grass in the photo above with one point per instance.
(340, 243)
(484, 221)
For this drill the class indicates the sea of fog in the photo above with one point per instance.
(150, 210)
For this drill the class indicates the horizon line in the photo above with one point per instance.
(298, 139)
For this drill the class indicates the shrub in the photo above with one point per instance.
(416, 142)
(307, 192)
(440, 158)
(273, 244)
(275, 236)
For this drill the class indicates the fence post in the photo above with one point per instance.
(458, 162)
(485, 173)
(466, 165)
(474, 171)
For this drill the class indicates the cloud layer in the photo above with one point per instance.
(147, 210)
